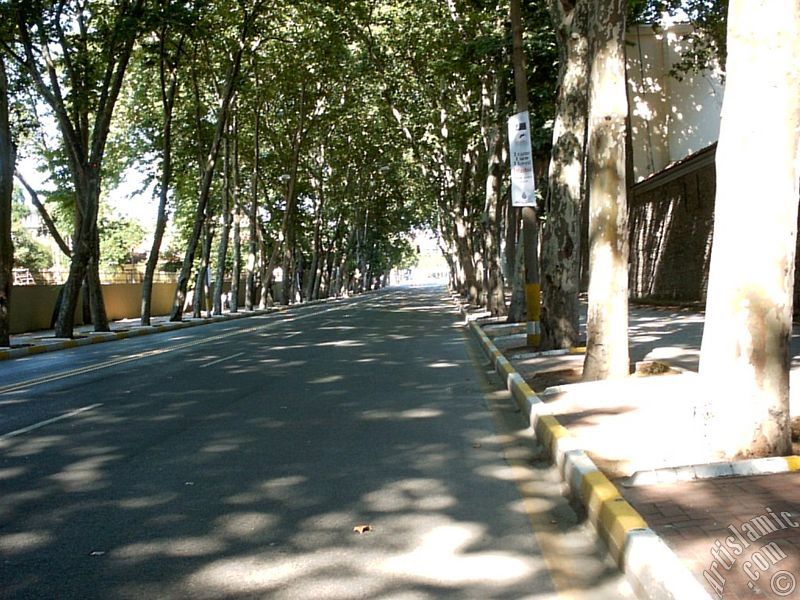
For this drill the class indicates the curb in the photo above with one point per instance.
(137, 330)
(652, 569)
(741, 468)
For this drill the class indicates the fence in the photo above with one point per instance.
(121, 275)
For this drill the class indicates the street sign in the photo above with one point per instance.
(523, 187)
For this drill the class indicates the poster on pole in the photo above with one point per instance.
(523, 187)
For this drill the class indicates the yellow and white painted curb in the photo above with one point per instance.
(655, 573)
(135, 331)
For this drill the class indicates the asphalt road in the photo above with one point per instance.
(234, 460)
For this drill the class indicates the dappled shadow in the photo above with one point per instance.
(239, 469)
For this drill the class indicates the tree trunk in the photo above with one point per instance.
(207, 178)
(745, 353)
(168, 93)
(222, 244)
(607, 322)
(84, 130)
(495, 285)
(317, 243)
(236, 268)
(199, 301)
(530, 224)
(266, 271)
(86, 250)
(561, 237)
(249, 286)
(7, 161)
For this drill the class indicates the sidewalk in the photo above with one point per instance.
(643, 435)
(26, 344)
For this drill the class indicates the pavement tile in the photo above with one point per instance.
(701, 512)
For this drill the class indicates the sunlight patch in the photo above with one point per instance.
(440, 558)
(342, 344)
(246, 524)
(146, 501)
(412, 413)
(177, 548)
(324, 380)
(18, 543)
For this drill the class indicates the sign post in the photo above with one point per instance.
(523, 187)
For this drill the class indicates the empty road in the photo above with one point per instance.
(234, 460)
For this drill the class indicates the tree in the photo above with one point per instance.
(170, 51)
(7, 161)
(118, 238)
(29, 253)
(530, 225)
(81, 83)
(561, 235)
(749, 308)
(227, 91)
(607, 321)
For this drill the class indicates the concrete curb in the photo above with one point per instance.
(137, 330)
(653, 570)
(740, 468)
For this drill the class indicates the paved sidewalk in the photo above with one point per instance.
(37, 342)
(696, 518)
(645, 430)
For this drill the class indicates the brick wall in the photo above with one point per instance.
(671, 223)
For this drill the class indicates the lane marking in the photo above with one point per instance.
(41, 424)
(16, 387)
(223, 359)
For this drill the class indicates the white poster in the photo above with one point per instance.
(523, 187)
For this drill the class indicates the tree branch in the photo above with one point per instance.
(48, 221)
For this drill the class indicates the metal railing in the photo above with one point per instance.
(107, 276)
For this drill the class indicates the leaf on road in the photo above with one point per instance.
(362, 528)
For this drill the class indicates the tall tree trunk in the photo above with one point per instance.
(84, 130)
(561, 236)
(495, 285)
(85, 250)
(8, 156)
(97, 306)
(317, 245)
(530, 225)
(208, 177)
(250, 287)
(169, 89)
(236, 268)
(748, 317)
(607, 322)
(201, 288)
(267, 266)
(224, 235)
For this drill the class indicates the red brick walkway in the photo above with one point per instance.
(730, 531)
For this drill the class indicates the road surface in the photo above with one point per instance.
(234, 460)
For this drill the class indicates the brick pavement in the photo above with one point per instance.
(691, 517)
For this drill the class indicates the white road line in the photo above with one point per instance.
(48, 421)
(223, 359)
(23, 385)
